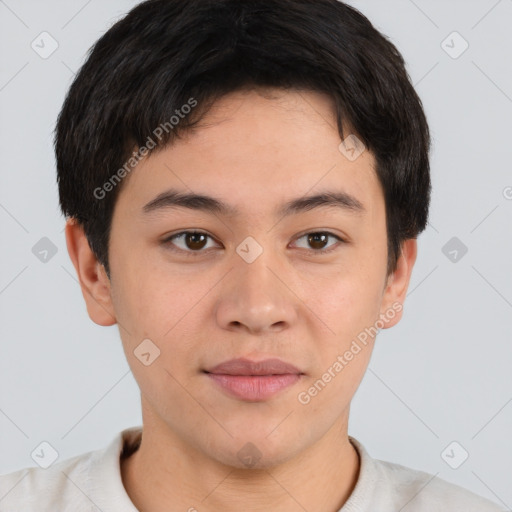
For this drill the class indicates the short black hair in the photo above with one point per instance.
(166, 54)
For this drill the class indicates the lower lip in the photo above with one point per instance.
(254, 387)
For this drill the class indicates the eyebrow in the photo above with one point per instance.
(174, 198)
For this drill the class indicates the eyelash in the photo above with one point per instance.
(168, 242)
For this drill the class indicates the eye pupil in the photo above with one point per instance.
(313, 239)
(193, 242)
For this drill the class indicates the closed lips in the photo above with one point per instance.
(242, 366)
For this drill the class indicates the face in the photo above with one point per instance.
(286, 260)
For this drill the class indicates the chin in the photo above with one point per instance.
(257, 451)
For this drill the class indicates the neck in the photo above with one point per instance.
(166, 473)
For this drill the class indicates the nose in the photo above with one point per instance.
(257, 298)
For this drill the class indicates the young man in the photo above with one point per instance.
(244, 184)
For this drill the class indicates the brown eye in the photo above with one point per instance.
(188, 242)
(318, 241)
(195, 241)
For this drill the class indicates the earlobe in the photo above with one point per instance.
(397, 284)
(91, 274)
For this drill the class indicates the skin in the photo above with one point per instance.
(254, 150)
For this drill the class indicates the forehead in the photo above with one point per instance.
(254, 148)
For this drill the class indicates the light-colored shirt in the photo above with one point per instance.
(92, 482)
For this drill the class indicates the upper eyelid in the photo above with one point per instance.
(190, 231)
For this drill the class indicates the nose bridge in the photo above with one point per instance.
(257, 298)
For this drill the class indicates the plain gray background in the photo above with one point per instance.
(441, 375)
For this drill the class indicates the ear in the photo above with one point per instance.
(91, 275)
(398, 283)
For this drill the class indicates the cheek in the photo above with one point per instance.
(152, 304)
(349, 308)
(347, 302)
(150, 307)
